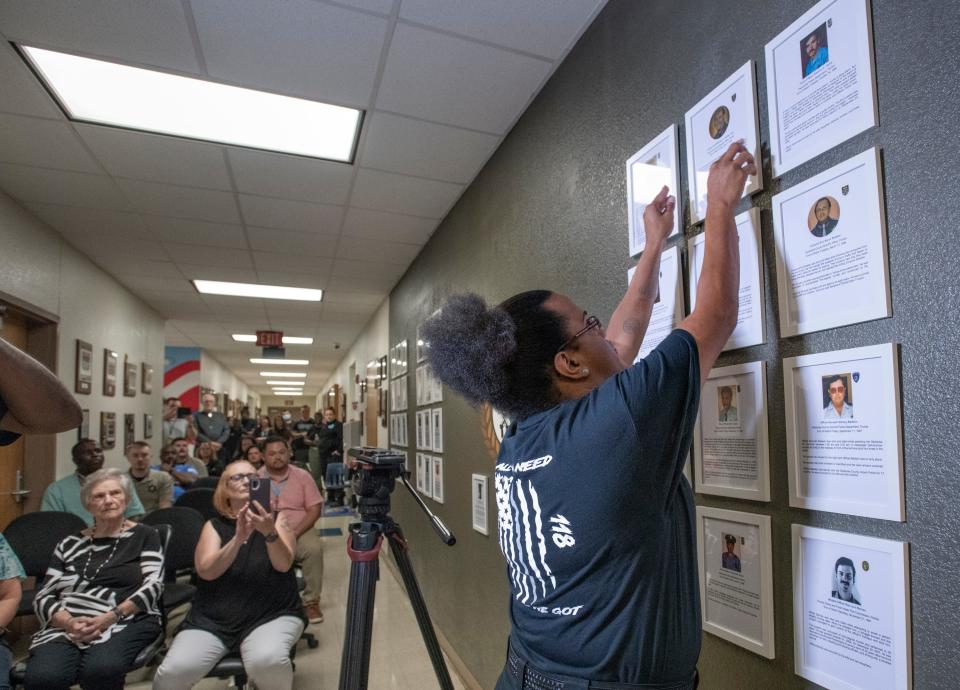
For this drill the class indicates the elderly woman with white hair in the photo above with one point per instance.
(100, 600)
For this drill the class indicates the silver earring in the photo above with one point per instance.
(584, 371)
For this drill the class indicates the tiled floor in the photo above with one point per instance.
(398, 658)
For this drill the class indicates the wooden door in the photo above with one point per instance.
(14, 331)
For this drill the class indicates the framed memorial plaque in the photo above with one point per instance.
(83, 431)
(110, 362)
(129, 378)
(844, 442)
(820, 82)
(146, 378)
(437, 479)
(668, 307)
(83, 382)
(129, 430)
(148, 426)
(478, 486)
(751, 323)
(420, 471)
(648, 171)
(730, 435)
(736, 578)
(831, 242)
(851, 610)
(436, 425)
(108, 430)
(725, 115)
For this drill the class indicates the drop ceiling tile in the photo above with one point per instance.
(196, 270)
(305, 49)
(91, 221)
(296, 263)
(119, 247)
(414, 147)
(181, 202)
(210, 256)
(316, 280)
(304, 243)
(134, 31)
(478, 86)
(157, 158)
(197, 232)
(381, 6)
(22, 92)
(61, 187)
(383, 191)
(290, 177)
(43, 143)
(350, 297)
(267, 212)
(143, 284)
(124, 265)
(519, 24)
(374, 250)
(394, 227)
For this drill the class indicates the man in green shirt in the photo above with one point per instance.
(154, 488)
(64, 494)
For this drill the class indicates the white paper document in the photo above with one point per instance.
(736, 577)
(648, 171)
(844, 444)
(750, 319)
(832, 248)
(478, 486)
(668, 308)
(820, 82)
(730, 435)
(851, 610)
(726, 114)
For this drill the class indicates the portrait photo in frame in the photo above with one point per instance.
(146, 378)
(111, 361)
(108, 430)
(129, 378)
(84, 368)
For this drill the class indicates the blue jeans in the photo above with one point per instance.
(5, 662)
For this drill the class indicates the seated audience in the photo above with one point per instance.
(246, 594)
(99, 605)
(245, 442)
(248, 423)
(154, 488)
(182, 474)
(64, 494)
(11, 573)
(254, 456)
(182, 446)
(264, 429)
(207, 454)
(295, 495)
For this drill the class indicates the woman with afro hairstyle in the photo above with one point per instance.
(595, 518)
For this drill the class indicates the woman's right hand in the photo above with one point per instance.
(728, 175)
(244, 525)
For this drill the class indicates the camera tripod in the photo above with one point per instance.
(377, 474)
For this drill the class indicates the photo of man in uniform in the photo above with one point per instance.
(844, 581)
(838, 394)
(825, 217)
(728, 559)
(813, 49)
(728, 412)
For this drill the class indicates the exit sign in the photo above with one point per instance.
(269, 338)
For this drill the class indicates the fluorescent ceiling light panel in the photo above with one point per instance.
(281, 362)
(219, 287)
(283, 374)
(287, 339)
(285, 383)
(107, 93)
(280, 391)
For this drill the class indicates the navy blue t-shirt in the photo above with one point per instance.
(596, 521)
(6, 437)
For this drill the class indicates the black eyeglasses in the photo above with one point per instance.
(592, 322)
(238, 478)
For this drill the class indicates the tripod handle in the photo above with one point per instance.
(446, 536)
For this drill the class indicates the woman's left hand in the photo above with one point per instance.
(262, 520)
(93, 627)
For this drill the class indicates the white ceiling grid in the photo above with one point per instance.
(441, 82)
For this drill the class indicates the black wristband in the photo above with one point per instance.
(271, 537)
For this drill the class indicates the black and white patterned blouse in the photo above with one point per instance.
(88, 577)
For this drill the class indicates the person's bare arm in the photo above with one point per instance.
(10, 592)
(37, 403)
(212, 558)
(629, 322)
(309, 520)
(715, 316)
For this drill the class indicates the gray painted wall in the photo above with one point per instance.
(549, 210)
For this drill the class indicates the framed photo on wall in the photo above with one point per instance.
(478, 490)
(148, 426)
(851, 610)
(111, 361)
(146, 379)
(84, 367)
(437, 479)
(648, 171)
(108, 430)
(129, 429)
(83, 431)
(736, 578)
(129, 378)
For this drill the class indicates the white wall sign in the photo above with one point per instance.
(668, 307)
(648, 170)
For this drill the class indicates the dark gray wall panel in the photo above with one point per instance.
(549, 210)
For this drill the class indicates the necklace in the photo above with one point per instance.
(83, 573)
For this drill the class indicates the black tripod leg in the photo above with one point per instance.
(398, 547)
(364, 550)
